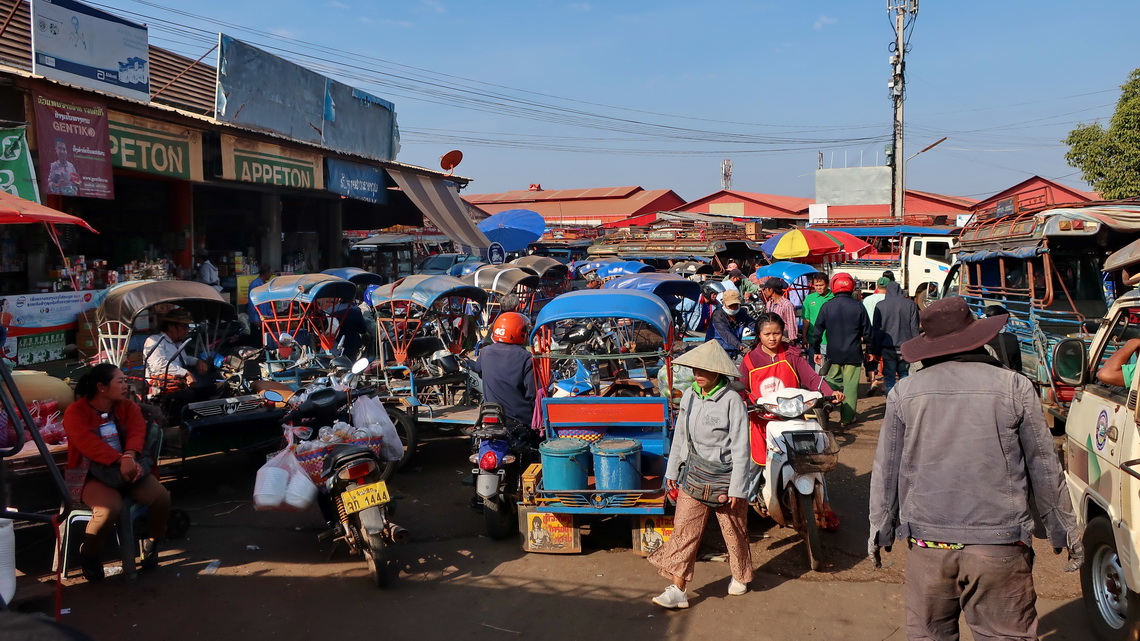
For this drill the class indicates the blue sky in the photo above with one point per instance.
(597, 94)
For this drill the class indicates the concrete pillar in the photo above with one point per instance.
(271, 230)
(182, 223)
(334, 233)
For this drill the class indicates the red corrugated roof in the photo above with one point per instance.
(956, 200)
(581, 205)
(790, 204)
(527, 196)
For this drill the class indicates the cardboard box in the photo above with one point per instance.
(549, 533)
(651, 531)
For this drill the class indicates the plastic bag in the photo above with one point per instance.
(52, 430)
(273, 479)
(369, 414)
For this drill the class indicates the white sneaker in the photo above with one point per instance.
(672, 598)
(736, 588)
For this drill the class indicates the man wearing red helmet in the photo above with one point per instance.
(845, 321)
(508, 369)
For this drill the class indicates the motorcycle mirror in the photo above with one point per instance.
(360, 365)
(287, 340)
(341, 363)
(273, 396)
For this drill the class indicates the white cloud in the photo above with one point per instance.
(283, 33)
(434, 5)
(581, 6)
(823, 21)
(334, 4)
(403, 24)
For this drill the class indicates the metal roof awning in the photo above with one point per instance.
(441, 204)
(379, 240)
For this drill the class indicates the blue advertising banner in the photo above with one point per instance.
(259, 90)
(354, 180)
(82, 45)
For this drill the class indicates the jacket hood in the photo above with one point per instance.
(893, 289)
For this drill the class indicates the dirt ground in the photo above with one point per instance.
(275, 580)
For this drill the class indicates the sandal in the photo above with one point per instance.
(149, 554)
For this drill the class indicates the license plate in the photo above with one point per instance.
(365, 496)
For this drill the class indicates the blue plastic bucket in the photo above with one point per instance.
(565, 464)
(617, 464)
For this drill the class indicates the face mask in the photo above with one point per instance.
(730, 311)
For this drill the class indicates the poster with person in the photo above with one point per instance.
(74, 146)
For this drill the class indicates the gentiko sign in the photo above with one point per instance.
(266, 164)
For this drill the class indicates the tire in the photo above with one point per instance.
(920, 296)
(1113, 609)
(406, 428)
(499, 518)
(376, 553)
(811, 530)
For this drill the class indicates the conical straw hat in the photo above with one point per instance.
(709, 356)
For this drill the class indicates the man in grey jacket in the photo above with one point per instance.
(963, 452)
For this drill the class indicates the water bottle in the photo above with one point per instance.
(110, 435)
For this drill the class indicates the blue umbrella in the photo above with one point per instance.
(792, 273)
(514, 229)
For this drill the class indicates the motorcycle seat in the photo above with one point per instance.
(343, 452)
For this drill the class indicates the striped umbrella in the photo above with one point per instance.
(853, 247)
(801, 243)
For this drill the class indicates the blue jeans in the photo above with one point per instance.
(894, 368)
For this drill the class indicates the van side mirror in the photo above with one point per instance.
(1070, 361)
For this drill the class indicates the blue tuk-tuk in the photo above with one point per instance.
(356, 276)
(301, 324)
(603, 455)
(681, 295)
(622, 268)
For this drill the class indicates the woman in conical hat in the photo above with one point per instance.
(711, 441)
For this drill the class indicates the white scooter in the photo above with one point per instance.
(799, 452)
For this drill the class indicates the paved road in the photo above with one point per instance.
(455, 583)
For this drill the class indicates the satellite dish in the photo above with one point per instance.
(451, 160)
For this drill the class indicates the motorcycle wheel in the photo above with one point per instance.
(810, 530)
(406, 428)
(499, 517)
(376, 553)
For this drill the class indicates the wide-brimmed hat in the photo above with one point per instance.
(730, 297)
(709, 356)
(179, 316)
(949, 327)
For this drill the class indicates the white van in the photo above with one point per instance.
(1102, 466)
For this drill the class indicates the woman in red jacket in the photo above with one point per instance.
(106, 435)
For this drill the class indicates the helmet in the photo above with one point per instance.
(712, 288)
(510, 327)
(842, 282)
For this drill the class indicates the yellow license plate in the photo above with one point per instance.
(365, 496)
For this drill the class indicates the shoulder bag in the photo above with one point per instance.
(704, 480)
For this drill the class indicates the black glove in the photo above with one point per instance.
(1076, 556)
(873, 553)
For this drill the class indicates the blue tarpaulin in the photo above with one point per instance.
(986, 254)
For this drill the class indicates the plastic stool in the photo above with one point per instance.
(129, 547)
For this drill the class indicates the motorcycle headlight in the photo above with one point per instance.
(787, 407)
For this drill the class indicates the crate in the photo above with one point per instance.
(811, 450)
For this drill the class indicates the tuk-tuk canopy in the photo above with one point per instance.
(501, 279)
(304, 288)
(355, 275)
(661, 285)
(594, 264)
(426, 290)
(607, 303)
(545, 266)
(691, 267)
(623, 268)
(125, 301)
(785, 269)
(459, 270)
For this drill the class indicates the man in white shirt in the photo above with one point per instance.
(167, 365)
(207, 273)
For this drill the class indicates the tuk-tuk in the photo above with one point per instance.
(587, 268)
(501, 281)
(553, 276)
(359, 277)
(693, 269)
(206, 426)
(681, 295)
(422, 323)
(622, 268)
(625, 437)
(302, 324)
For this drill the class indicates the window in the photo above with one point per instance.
(916, 248)
(436, 262)
(1125, 327)
(938, 250)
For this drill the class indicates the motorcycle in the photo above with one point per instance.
(354, 498)
(501, 449)
(800, 451)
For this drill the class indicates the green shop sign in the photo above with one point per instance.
(267, 164)
(155, 147)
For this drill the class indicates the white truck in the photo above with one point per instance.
(920, 258)
(1102, 468)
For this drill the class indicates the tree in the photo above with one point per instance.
(1109, 159)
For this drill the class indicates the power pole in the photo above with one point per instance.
(726, 174)
(905, 11)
